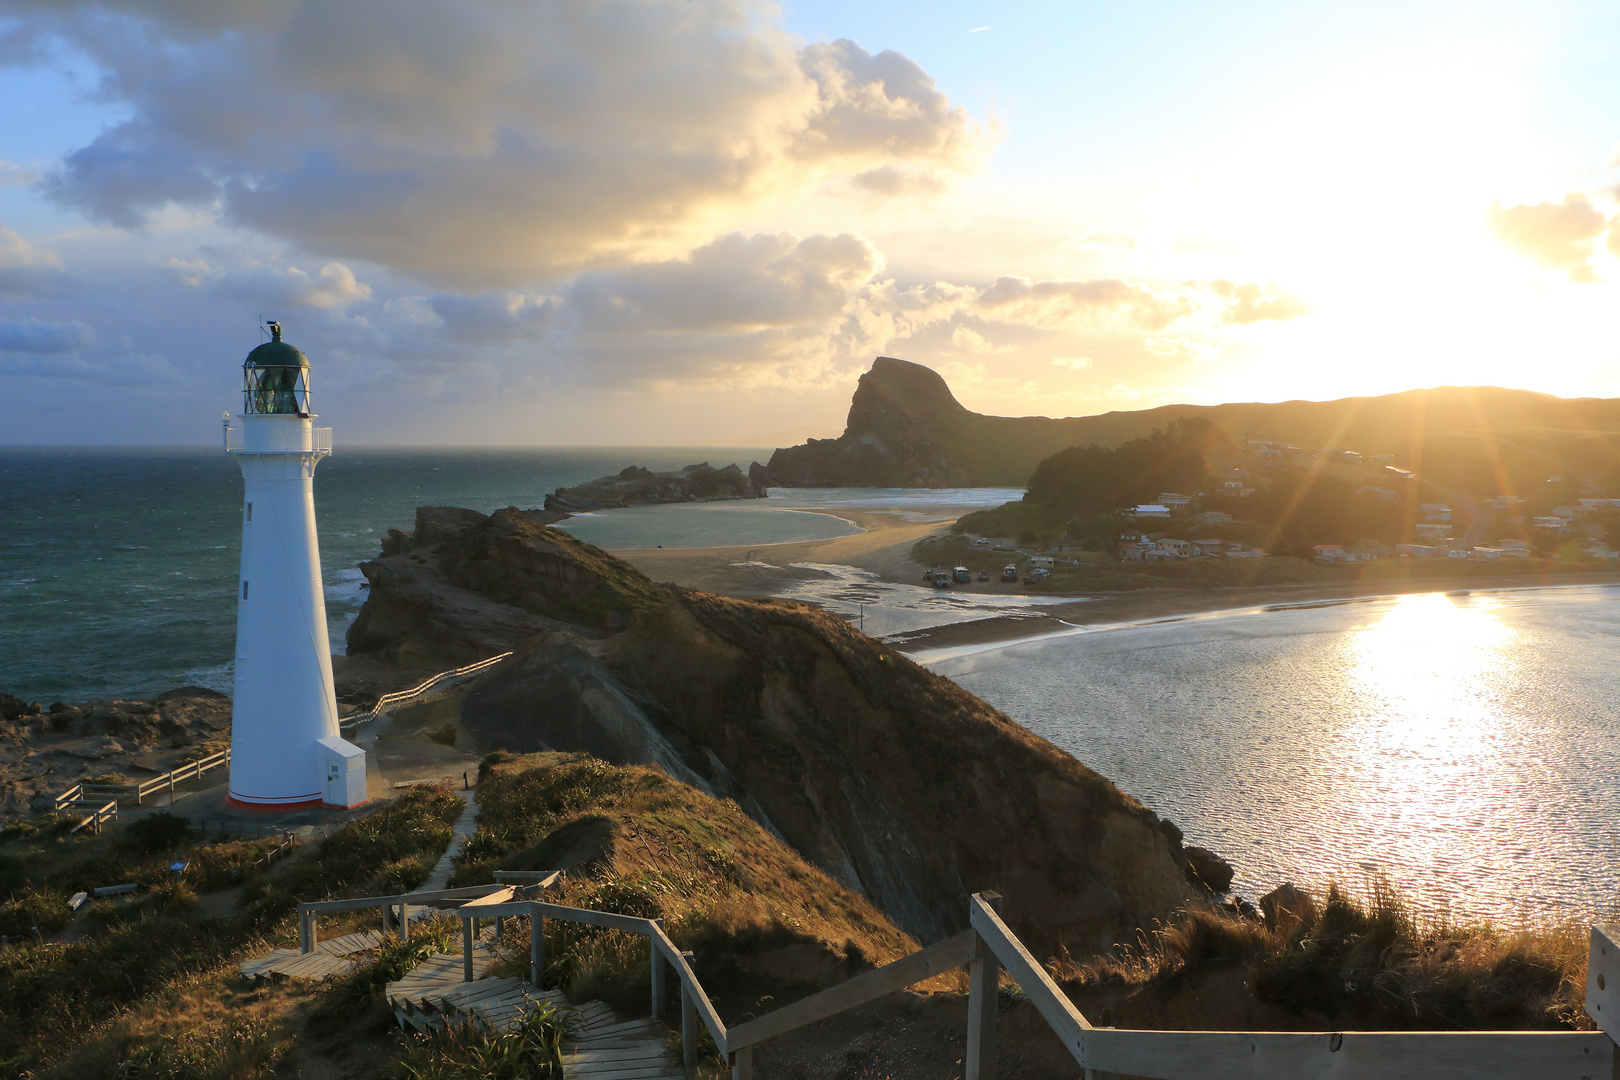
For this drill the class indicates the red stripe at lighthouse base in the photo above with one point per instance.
(296, 802)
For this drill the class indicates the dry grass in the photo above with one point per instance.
(656, 848)
(202, 1026)
(1367, 961)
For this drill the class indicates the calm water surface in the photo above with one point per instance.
(1468, 747)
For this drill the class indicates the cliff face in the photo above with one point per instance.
(636, 486)
(895, 779)
(890, 778)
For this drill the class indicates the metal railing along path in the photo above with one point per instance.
(989, 947)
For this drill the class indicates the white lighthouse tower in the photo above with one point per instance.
(285, 747)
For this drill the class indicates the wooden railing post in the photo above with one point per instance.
(984, 977)
(537, 951)
(742, 1064)
(404, 921)
(466, 950)
(658, 995)
(689, 1027)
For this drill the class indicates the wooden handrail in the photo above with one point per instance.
(953, 952)
(349, 723)
(1168, 1055)
(1327, 1055)
(692, 990)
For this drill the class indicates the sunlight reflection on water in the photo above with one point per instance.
(1463, 745)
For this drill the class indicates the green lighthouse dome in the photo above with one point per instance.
(277, 353)
(275, 378)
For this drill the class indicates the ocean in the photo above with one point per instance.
(118, 566)
(1463, 747)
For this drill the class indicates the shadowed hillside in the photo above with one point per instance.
(906, 429)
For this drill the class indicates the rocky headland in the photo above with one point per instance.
(636, 486)
(893, 780)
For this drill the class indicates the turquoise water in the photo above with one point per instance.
(118, 566)
(1463, 746)
(704, 525)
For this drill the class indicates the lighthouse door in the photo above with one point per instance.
(334, 783)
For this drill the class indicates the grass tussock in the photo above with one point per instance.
(638, 843)
(530, 1051)
(202, 1026)
(54, 995)
(1367, 961)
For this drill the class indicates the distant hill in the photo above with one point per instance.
(906, 429)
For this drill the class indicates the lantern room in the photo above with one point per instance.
(275, 379)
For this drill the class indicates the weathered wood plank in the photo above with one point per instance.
(1053, 1005)
(700, 1000)
(1387, 1055)
(951, 953)
(1603, 979)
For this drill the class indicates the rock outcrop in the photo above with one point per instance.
(635, 486)
(892, 779)
(463, 586)
(44, 753)
(906, 429)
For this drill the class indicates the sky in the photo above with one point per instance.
(635, 222)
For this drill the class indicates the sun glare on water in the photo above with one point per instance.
(1431, 728)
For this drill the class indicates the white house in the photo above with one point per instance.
(1417, 551)
(1208, 547)
(1180, 549)
(1435, 511)
(1327, 553)
(1151, 510)
(1173, 501)
(1213, 517)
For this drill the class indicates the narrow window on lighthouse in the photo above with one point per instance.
(244, 590)
(250, 512)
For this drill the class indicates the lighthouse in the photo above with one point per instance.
(285, 748)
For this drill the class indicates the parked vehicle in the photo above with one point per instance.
(984, 575)
(963, 575)
(1040, 573)
(942, 581)
(1009, 572)
(928, 576)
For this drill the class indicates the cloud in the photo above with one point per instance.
(890, 182)
(1073, 363)
(736, 283)
(26, 270)
(265, 286)
(1096, 301)
(486, 144)
(13, 175)
(1560, 236)
(1182, 347)
(1100, 240)
(1250, 303)
(37, 336)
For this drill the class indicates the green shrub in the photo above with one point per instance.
(155, 832)
(532, 1050)
(44, 908)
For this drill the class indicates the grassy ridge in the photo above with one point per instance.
(639, 843)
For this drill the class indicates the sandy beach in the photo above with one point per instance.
(884, 549)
